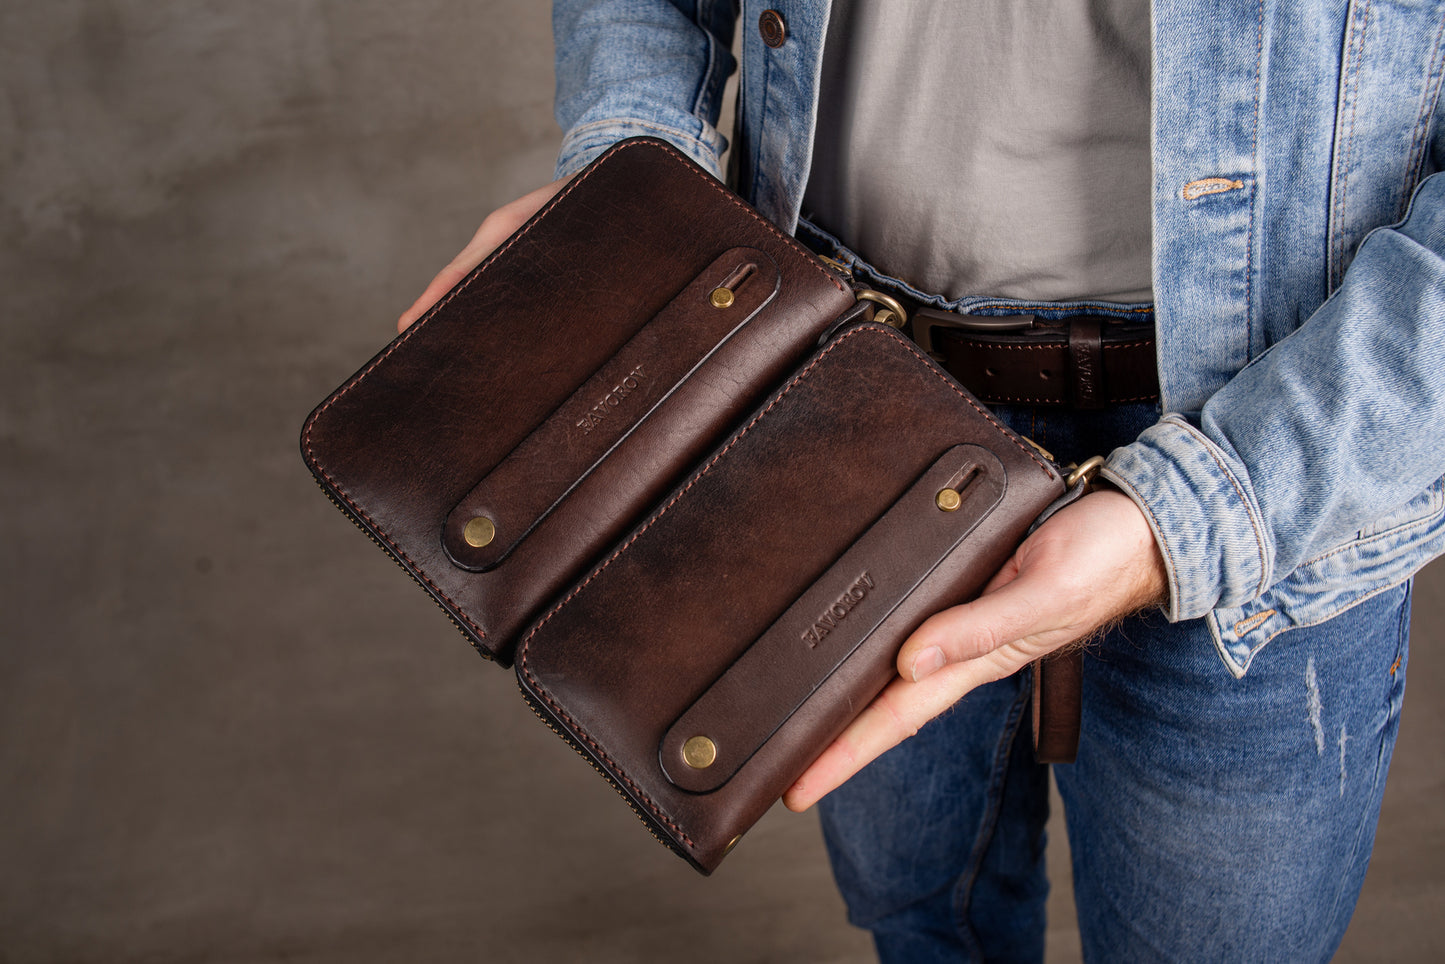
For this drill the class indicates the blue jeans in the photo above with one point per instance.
(1209, 818)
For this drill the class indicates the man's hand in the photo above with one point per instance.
(1088, 566)
(497, 227)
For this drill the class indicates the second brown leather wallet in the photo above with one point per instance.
(709, 658)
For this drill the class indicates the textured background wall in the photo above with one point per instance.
(230, 730)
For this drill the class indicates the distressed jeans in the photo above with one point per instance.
(1210, 818)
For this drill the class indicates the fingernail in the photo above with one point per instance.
(928, 662)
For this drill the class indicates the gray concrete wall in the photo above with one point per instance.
(230, 730)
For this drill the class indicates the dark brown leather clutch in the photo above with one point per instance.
(604, 433)
(706, 661)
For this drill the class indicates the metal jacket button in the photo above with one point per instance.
(773, 28)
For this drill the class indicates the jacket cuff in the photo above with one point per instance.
(1197, 501)
(582, 145)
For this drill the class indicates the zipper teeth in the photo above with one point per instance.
(404, 568)
(552, 725)
(530, 700)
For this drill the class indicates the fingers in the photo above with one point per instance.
(1042, 599)
(1030, 616)
(1012, 614)
(950, 654)
(444, 281)
(498, 226)
(896, 714)
(1086, 567)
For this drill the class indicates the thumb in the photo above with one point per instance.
(1043, 598)
(1015, 611)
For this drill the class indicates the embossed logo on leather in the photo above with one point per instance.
(600, 412)
(839, 611)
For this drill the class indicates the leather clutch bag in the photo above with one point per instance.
(708, 659)
(648, 450)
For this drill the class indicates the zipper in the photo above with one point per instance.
(648, 821)
(552, 724)
(406, 569)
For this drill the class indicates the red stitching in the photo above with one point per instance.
(989, 416)
(790, 241)
(400, 553)
(621, 775)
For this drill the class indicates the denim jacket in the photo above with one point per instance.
(1299, 267)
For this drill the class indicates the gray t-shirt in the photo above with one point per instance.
(996, 147)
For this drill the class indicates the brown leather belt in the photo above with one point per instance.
(1086, 361)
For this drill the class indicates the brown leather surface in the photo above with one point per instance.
(406, 438)
(644, 635)
(1098, 364)
(1086, 362)
(644, 373)
(1058, 690)
(834, 616)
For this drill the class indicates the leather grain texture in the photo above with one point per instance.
(1057, 705)
(838, 613)
(538, 473)
(645, 636)
(563, 309)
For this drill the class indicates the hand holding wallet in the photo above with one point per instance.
(648, 451)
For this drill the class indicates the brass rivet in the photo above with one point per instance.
(479, 532)
(699, 752)
(948, 500)
(731, 844)
(773, 28)
(721, 298)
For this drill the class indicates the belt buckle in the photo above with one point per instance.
(925, 320)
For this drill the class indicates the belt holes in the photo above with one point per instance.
(990, 372)
(1044, 374)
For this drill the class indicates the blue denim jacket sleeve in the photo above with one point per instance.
(1273, 480)
(1300, 296)
(641, 67)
